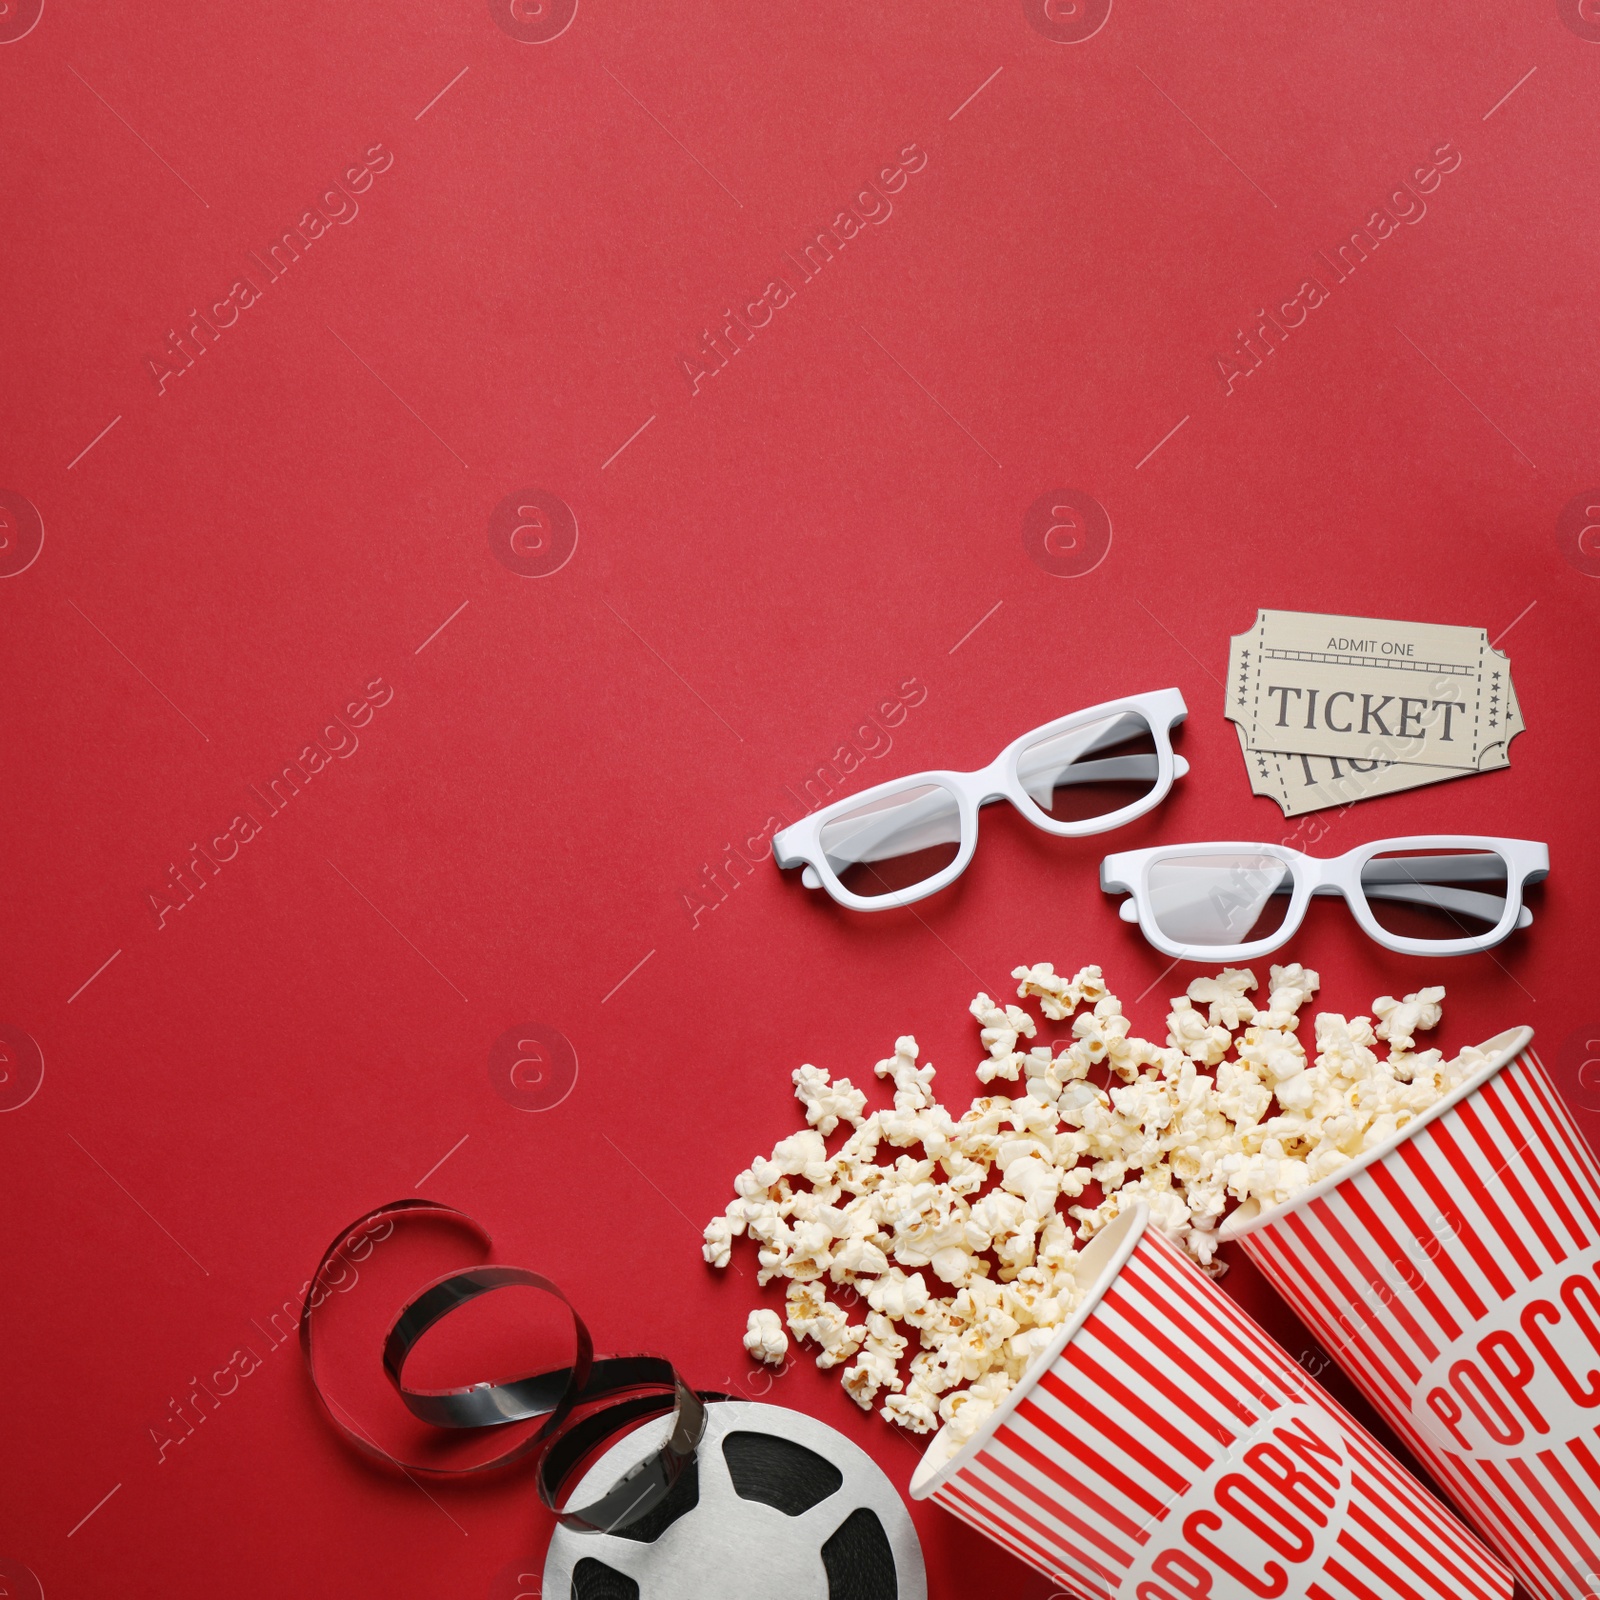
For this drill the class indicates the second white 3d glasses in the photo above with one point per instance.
(1081, 774)
(1439, 894)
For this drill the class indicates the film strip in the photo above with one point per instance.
(582, 1406)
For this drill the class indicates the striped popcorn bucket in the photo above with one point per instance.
(1164, 1448)
(1454, 1273)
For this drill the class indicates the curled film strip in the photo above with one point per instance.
(583, 1406)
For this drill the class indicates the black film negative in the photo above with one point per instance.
(583, 1406)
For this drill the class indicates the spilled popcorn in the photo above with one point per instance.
(959, 1239)
(765, 1339)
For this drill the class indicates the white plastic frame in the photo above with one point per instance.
(1527, 861)
(800, 845)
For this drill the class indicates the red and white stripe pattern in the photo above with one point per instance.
(1173, 1451)
(1457, 1281)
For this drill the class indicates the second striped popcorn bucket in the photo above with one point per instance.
(1164, 1448)
(1454, 1273)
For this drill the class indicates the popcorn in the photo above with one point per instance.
(898, 1297)
(1398, 1020)
(794, 1155)
(718, 1248)
(1058, 997)
(1188, 1031)
(878, 1366)
(1001, 1028)
(813, 1316)
(859, 1257)
(916, 1409)
(828, 1104)
(765, 1339)
(1225, 995)
(960, 1233)
(965, 1412)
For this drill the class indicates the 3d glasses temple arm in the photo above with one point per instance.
(895, 831)
(1485, 907)
(1435, 869)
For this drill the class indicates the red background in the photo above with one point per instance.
(300, 512)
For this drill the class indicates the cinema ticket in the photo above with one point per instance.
(1335, 709)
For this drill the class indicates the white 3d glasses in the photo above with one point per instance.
(1081, 774)
(1440, 894)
